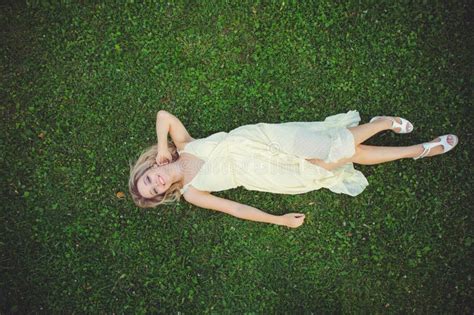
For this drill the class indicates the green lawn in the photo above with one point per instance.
(81, 85)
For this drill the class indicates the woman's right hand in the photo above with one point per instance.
(294, 220)
(164, 156)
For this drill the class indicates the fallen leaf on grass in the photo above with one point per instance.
(120, 195)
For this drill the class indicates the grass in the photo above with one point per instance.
(82, 82)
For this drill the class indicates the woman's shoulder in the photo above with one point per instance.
(181, 145)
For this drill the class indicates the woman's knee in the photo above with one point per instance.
(318, 162)
(360, 151)
(327, 166)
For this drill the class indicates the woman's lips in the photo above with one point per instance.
(161, 180)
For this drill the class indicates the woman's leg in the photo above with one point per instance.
(370, 155)
(365, 131)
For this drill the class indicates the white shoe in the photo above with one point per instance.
(443, 141)
(405, 126)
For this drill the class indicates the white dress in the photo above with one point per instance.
(271, 157)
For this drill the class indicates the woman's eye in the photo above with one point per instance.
(148, 179)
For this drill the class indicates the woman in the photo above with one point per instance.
(287, 158)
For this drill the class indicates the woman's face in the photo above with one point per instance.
(154, 182)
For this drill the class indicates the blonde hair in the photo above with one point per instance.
(145, 161)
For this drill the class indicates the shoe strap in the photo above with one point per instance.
(429, 145)
(426, 151)
(403, 126)
(395, 124)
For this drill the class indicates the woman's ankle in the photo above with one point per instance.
(383, 123)
(416, 150)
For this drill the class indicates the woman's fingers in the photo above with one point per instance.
(163, 158)
(297, 215)
(163, 163)
(295, 219)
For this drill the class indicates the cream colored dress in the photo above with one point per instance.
(271, 157)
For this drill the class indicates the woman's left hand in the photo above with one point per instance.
(293, 220)
(163, 157)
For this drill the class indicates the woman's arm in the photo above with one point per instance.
(168, 123)
(292, 220)
(208, 201)
(250, 213)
